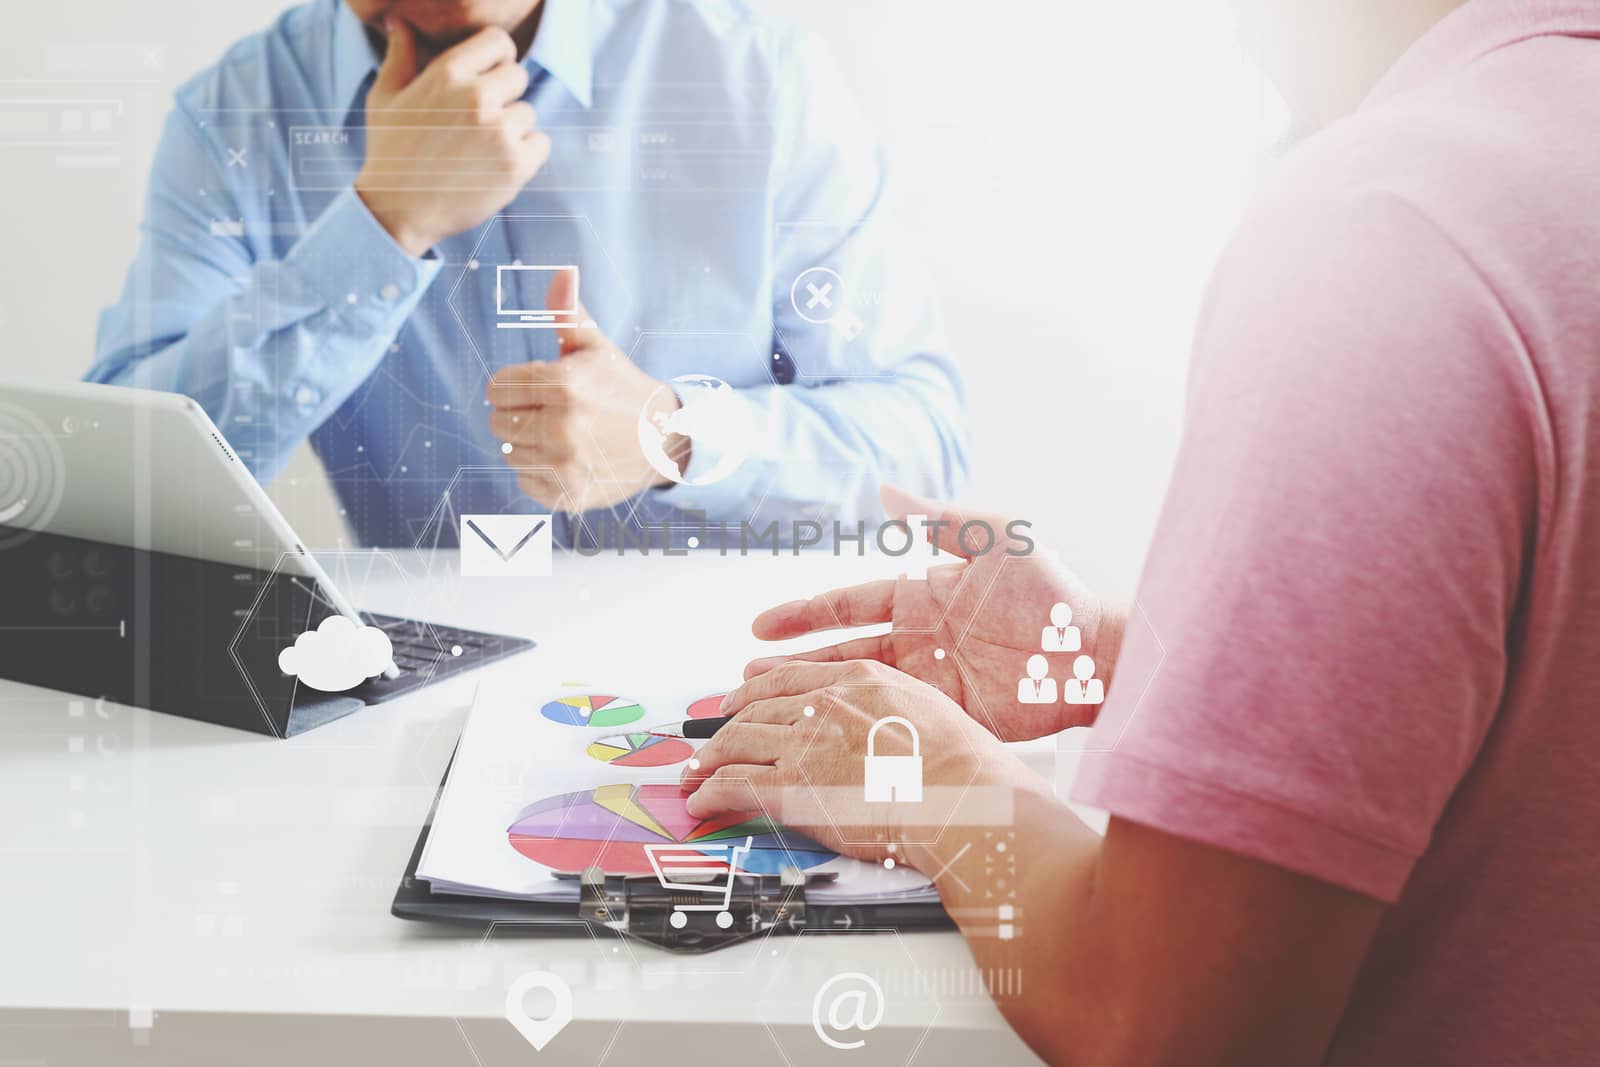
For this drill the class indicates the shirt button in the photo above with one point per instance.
(305, 396)
(390, 293)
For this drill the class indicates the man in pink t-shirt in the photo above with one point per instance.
(1351, 744)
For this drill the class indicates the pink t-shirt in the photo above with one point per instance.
(1369, 643)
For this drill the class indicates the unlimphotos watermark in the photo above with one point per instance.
(896, 537)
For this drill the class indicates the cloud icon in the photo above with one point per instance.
(337, 656)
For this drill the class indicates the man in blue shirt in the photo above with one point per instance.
(465, 246)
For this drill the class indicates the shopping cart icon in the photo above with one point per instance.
(706, 870)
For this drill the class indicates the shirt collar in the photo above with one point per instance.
(1478, 28)
(354, 58)
(561, 47)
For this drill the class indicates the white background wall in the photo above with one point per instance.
(1072, 168)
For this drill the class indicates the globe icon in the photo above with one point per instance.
(713, 417)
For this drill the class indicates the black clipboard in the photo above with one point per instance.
(637, 907)
(415, 899)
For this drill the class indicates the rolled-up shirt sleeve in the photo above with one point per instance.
(270, 347)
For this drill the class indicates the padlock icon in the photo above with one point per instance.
(893, 778)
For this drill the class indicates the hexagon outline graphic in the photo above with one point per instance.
(512, 924)
(250, 613)
(800, 764)
(933, 996)
(636, 501)
(1092, 746)
(758, 940)
(483, 235)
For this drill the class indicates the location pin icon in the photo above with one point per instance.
(538, 1032)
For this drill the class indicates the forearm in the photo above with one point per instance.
(1064, 1000)
(266, 394)
(271, 352)
(1105, 630)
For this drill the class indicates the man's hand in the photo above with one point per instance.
(570, 427)
(449, 147)
(987, 615)
(808, 771)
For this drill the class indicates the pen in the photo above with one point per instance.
(693, 729)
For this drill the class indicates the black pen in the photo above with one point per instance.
(693, 729)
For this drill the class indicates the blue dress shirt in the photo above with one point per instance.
(724, 199)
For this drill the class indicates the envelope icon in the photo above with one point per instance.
(506, 546)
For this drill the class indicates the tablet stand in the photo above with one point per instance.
(158, 631)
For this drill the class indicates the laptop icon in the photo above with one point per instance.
(521, 293)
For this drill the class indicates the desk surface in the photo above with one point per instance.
(165, 864)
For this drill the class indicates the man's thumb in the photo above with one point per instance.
(574, 327)
(951, 534)
(399, 56)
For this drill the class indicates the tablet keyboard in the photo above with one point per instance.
(426, 652)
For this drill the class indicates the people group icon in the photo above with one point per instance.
(1083, 687)
(1036, 688)
(1061, 636)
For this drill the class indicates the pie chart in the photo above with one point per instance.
(593, 710)
(609, 828)
(707, 707)
(640, 750)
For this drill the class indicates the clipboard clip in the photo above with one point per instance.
(698, 918)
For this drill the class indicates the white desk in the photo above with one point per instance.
(238, 887)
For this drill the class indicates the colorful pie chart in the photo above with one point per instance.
(593, 710)
(640, 750)
(707, 707)
(609, 828)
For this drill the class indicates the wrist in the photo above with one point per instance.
(663, 403)
(1109, 632)
(1000, 787)
(412, 241)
